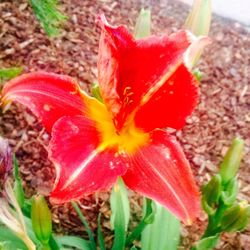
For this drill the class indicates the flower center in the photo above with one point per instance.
(129, 139)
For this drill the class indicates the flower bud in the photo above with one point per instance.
(236, 217)
(230, 191)
(211, 193)
(231, 161)
(143, 24)
(199, 19)
(5, 159)
(96, 92)
(41, 219)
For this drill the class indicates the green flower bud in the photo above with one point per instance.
(199, 19)
(143, 24)
(198, 74)
(96, 92)
(231, 161)
(230, 191)
(41, 219)
(211, 193)
(236, 217)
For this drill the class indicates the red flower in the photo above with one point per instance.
(146, 87)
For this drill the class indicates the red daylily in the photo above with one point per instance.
(146, 86)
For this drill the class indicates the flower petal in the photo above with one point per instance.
(49, 96)
(131, 71)
(82, 168)
(171, 104)
(193, 53)
(160, 171)
(113, 41)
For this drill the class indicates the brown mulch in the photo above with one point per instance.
(223, 112)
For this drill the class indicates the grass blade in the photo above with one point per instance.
(100, 235)
(86, 225)
(148, 218)
(18, 188)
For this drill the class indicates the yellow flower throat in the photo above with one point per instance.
(129, 138)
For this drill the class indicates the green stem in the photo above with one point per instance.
(86, 225)
(46, 247)
(136, 233)
(214, 221)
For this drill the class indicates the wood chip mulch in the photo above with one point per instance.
(223, 112)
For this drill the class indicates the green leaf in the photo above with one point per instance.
(133, 248)
(18, 188)
(73, 241)
(163, 233)
(9, 73)
(148, 218)
(207, 243)
(86, 225)
(143, 24)
(100, 235)
(120, 214)
(48, 15)
(11, 240)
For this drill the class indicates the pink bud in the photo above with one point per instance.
(5, 159)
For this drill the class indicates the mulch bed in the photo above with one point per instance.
(223, 112)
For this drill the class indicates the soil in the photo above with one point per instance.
(222, 114)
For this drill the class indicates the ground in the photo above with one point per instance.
(222, 114)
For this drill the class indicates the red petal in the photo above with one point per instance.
(81, 168)
(132, 70)
(160, 171)
(49, 96)
(171, 104)
(113, 40)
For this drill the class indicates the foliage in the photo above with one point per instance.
(225, 213)
(49, 15)
(9, 73)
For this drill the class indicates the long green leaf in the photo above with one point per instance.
(18, 188)
(48, 15)
(73, 241)
(11, 240)
(86, 225)
(163, 233)
(120, 214)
